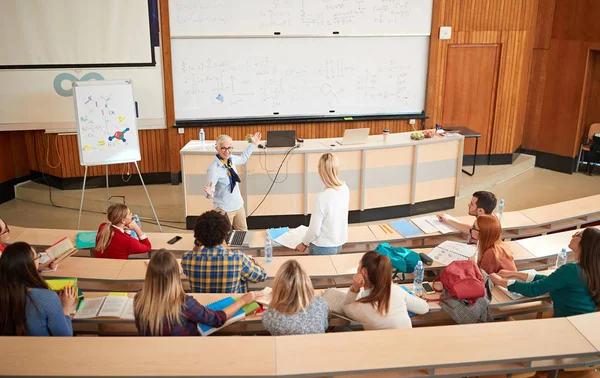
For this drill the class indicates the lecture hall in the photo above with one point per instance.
(305, 188)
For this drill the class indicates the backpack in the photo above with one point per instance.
(469, 311)
(463, 280)
(403, 259)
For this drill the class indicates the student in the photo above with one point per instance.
(294, 309)
(574, 287)
(493, 255)
(223, 187)
(328, 229)
(215, 268)
(27, 306)
(380, 305)
(112, 242)
(481, 203)
(162, 308)
(4, 235)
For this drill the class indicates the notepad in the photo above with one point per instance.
(405, 228)
(293, 238)
(219, 305)
(61, 249)
(450, 251)
(109, 306)
(274, 233)
(58, 284)
(86, 240)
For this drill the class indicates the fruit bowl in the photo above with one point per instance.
(417, 136)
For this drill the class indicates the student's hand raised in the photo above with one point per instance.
(251, 296)
(256, 138)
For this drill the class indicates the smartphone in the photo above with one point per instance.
(175, 240)
(428, 288)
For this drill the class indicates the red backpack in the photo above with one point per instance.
(463, 280)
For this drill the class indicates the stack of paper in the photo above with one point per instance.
(450, 251)
(274, 233)
(293, 238)
(430, 224)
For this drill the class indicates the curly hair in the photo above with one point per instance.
(211, 228)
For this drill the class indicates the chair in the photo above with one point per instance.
(586, 146)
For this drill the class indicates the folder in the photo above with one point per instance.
(405, 228)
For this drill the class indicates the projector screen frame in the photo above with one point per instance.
(96, 65)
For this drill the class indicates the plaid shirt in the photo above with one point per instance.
(220, 270)
(192, 313)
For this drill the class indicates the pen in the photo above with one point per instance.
(388, 228)
(383, 228)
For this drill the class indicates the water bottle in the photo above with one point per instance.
(202, 136)
(268, 250)
(500, 209)
(561, 258)
(136, 219)
(418, 280)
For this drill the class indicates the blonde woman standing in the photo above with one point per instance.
(163, 309)
(328, 229)
(112, 242)
(223, 180)
(294, 309)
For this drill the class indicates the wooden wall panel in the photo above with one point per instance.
(577, 20)
(470, 93)
(535, 98)
(543, 27)
(592, 109)
(509, 23)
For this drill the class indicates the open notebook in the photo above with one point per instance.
(113, 306)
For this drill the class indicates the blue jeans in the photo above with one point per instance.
(316, 250)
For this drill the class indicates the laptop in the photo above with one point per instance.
(281, 138)
(354, 136)
(238, 238)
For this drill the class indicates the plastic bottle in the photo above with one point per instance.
(136, 219)
(202, 137)
(418, 279)
(268, 250)
(561, 258)
(500, 209)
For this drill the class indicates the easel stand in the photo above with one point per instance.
(108, 194)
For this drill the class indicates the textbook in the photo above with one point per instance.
(61, 249)
(265, 300)
(450, 251)
(58, 284)
(115, 306)
(86, 239)
(219, 305)
(45, 258)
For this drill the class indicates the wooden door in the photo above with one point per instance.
(470, 92)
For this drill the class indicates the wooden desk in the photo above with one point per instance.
(44, 236)
(88, 269)
(378, 351)
(578, 208)
(15, 232)
(315, 266)
(588, 326)
(547, 245)
(135, 356)
(375, 182)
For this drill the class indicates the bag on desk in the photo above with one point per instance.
(463, 280)
(472, 310)
(404, 260)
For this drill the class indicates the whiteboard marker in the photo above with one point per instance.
(348, 118)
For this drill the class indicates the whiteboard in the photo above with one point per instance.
(299, 17)
(276, 77)
(106, 125)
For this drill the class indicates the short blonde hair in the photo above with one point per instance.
(329, 170)
(292, 289)
(221, 139)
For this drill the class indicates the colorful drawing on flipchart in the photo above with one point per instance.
(120, 135)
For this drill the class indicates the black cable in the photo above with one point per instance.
(287, 153)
